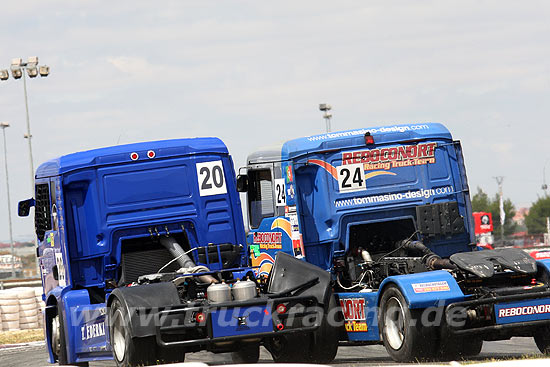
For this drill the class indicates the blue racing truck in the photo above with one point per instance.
(143, 258)
(386, 211)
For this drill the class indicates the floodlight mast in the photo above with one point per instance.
(18, 68)
(327, 115)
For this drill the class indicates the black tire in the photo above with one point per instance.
(128, 350)
(452, 347)
(324, 341)
(542, 339)
(59, 347)
(404, 337)
(290, 348)
(247, 353)
(472, 347)
(170, 355)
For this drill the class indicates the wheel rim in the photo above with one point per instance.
(394, 323)
(118, 337)
(56, 341)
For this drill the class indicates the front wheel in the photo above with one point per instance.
(404, 337)
(59, 344)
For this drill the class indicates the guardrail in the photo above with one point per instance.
(13, 283)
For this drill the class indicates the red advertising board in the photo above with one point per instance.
(483, 222)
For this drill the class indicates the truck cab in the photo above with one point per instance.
(330, 194)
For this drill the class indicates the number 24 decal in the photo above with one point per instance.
(211, 179)
(280, 191)
(351, 177)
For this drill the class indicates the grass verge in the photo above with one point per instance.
(21, 336)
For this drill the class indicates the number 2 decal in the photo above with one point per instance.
(280, 192)
(351, 177)
(211, 179)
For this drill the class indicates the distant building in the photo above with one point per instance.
(6, 264)
(519, 218)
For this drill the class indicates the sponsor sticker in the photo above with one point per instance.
(268, 240)
(354, 314)
(530, 310)
(92, 331)
(392, 157)
(441, 286)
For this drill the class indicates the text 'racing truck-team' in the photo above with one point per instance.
(143, 258)
(386, 211)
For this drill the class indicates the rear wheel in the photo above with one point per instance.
(128, 350)
(542, 339)
(324, 341)
(289, 348)
(247, 353)
(403, 335)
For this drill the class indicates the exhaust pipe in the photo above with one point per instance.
(185, 261)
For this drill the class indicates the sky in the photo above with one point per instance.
(253, 73)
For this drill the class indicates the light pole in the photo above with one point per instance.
(18, 68)
(325, 107)
(3, 126)
(544, 185)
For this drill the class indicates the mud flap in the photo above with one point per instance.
(289, 273)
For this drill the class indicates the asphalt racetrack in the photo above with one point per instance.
(35, 355)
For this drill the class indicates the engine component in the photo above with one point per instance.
(429, 258)
(243, 290)
(185, 261)
(218, 293)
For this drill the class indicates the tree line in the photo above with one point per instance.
(535, 221)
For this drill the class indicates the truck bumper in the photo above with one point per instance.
(204, 326)
(499, 314)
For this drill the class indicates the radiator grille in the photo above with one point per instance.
(138, 263)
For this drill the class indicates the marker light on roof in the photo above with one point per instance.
(368, 138)
(134, 156)
(151, 154)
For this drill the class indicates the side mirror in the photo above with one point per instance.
(24, 207)
(242, 183)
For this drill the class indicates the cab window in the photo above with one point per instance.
(260, 196)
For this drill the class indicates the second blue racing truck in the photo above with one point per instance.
(386, 211)
(143, 258)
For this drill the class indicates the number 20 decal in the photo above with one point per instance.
(351, 177)
(211, 179)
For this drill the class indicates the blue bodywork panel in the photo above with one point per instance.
(241, 321)
(428, 289)
(522, 311)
